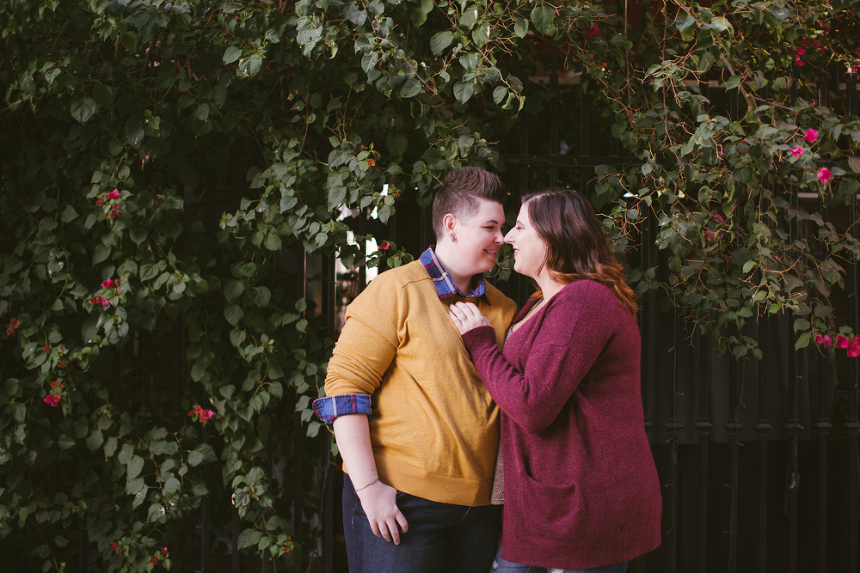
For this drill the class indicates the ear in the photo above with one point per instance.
(449, 223)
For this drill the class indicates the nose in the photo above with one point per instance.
(509, 238)
(499, 238)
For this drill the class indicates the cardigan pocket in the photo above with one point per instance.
(554, 506)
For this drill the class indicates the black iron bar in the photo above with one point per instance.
(673, 427)
(298, 438)
(822, 426)
(733, 429)
(144, 353)
(553, 123)
(852, 424)
(764, 429)
(522, 283)
(584, 144)
(793, 423)
(235, 526)
(703, 427)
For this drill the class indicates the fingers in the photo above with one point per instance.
(391, 528)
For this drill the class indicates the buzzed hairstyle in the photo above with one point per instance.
(460, 193)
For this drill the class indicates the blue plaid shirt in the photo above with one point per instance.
(329, 408)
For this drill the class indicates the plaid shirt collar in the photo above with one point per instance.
(445, 287)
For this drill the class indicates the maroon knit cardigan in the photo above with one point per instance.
(581, 488)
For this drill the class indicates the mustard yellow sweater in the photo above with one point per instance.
(434, 428)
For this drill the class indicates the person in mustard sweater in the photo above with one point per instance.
(417, 430)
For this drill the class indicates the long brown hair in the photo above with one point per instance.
(576, 242)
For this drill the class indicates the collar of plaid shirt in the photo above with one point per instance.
(445, 287)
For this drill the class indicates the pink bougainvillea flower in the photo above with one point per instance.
(113, 545)
(796, 152)
(811, 135)
(14, 323)
(841, 341)
(719, 218)
(57, 384)
(854, 348)
(100, 201)
(799, 51)
(824, 340)
(824, 175)
(709, 236)
(202, 415)
(105, 302)
(593, 31)
(10, 332)
(113, 194)
(108, 283)
(153, 561)
(164, 550)
(798, 61)
(384, 246)
(52, 400)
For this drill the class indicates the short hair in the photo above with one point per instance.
(460, 192)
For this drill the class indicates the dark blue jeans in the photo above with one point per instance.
(502, 566)
(442, 538)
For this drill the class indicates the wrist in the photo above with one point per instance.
(367, 485)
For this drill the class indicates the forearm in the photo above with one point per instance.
(352, 434)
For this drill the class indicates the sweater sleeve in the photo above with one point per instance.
(368, 342)
(569, 341)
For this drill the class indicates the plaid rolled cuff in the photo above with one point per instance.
(330, 408)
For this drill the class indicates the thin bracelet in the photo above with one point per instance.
(367, 486)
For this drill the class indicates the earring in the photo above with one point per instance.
(453, 238)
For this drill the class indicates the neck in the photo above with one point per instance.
(548, 287)
(445, 254)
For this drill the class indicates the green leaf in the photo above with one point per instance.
(233, 314)
(231, 54)
(733, 82)
(134, 467)
(249, 537)
(95, 440)
(100, 253)
(469, 17)
(233, 289)
(411, 88)
(463, 91)
(83, 109)
(542, 16)
(202, 454)
(440, 41)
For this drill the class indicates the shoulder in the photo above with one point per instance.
(592, 298)
(496, 297)
(400, 277)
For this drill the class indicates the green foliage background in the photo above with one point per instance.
(235, 131)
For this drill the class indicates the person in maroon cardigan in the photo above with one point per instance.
(581, 491)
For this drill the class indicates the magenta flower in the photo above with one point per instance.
(841, 341)
(798, 61)
(854, 348)
(384, 246)
(108, 284)
(202, 415)
(719, 218)
(593, 31)
(51, 400)
(799, 51)
(113, 194)
(709, 236)
(811, 135)
(796, 152)
(105, 302)
(824, 175)
(823, 340)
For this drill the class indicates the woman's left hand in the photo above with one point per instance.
(466, 316)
